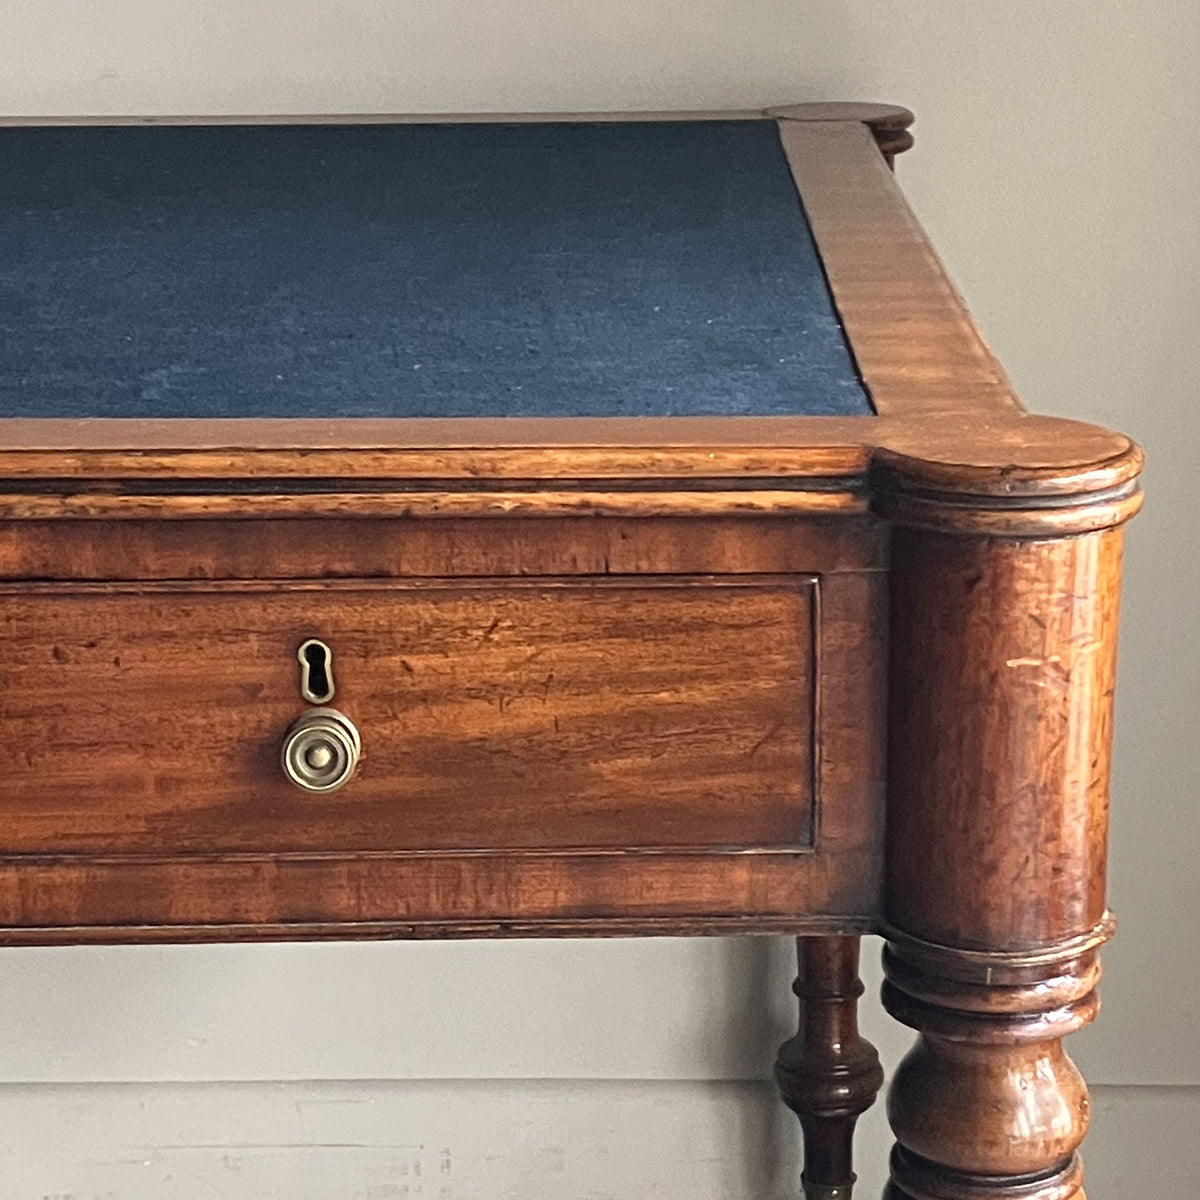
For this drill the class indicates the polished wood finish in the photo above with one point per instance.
(987, 1106)
(636, 711)
(331, 548)
(828, 1074)
(1002, 675)
(736, 566)
(503, 780)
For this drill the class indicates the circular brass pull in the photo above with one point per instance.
(320, 751)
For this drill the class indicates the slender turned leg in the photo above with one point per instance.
(828, 1074)
(1000, 714)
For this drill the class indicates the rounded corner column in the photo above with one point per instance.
(1004, 591)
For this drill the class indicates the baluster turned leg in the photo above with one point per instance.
(828, 1074)
(987, 1106)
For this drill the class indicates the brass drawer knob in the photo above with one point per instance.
(321, 750)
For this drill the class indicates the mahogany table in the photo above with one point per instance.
(440, 527)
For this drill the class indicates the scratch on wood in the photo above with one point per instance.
(766, 737)
(1053, 660)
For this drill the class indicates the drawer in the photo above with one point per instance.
(633, 711)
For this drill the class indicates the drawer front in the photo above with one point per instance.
(536, 713)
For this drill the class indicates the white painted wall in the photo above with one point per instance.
(1057, 173)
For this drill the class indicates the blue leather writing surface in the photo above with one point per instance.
(573, 269)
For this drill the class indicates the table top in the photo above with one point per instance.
(634, 314)
(571, 268)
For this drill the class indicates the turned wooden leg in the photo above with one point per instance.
(987, 1106)
(828, 1074)
(1002, 655)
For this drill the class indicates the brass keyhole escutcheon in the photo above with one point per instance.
(321, 750)
(316, 671)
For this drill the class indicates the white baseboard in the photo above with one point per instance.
(488, 1140)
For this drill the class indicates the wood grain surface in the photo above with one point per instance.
(331, 548)
(727, 622)
(252, 897)
(1001, 732)
(494, 714)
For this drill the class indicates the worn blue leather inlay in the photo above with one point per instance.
(578, 269)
